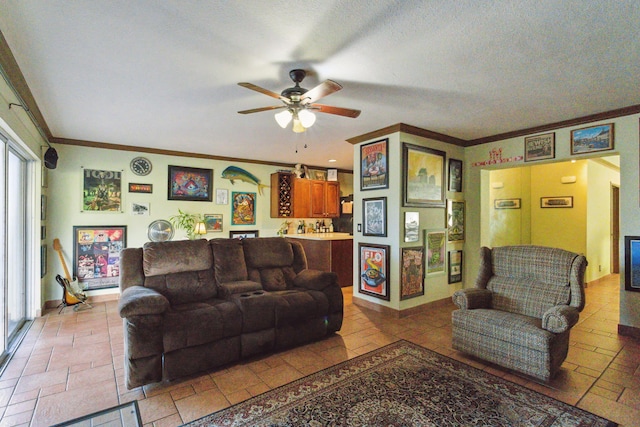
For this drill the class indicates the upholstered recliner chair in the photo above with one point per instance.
(525, 302)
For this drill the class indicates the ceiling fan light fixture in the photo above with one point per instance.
(297, 126)
(283, 118)
(307, 118)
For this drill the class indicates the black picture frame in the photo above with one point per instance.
(455, 175)
(558, 202)
(373, 261)
(455, 265)
(374, 216)
(374, 165)
(190, 184)
(244, 234)
(423, 176)
(540, 147)
(96, 255)
(632, 263)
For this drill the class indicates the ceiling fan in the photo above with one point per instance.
(300, 103)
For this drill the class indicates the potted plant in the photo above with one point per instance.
(186, 221)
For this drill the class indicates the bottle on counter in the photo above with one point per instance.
(331, 227)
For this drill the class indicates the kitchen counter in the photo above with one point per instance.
(322, 236)
(329, 252)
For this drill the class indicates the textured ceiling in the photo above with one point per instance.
(163, 74)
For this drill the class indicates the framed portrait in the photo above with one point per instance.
(374, 216)
(455, 220)
(96, 255)
(436, 243)
(632, 263)
(455, 175)
(412, 272)
(556, 202)
(506, 203)
(540, 147)
(423, 176)
(373, 262)
(101, 190)
(213, 222)
(590, 139)
(455, 266)
(243, 208)
(374, 165)
(411, 226)
(192, 184)
(245, 234)
(140, 188)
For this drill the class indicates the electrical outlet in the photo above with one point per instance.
(359, 228)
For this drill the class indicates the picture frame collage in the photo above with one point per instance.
(427, 176)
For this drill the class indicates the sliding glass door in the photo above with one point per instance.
(13, 242)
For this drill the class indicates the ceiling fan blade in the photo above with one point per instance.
(325, 88)
(346, 112)
(264, 91)
(257, 110)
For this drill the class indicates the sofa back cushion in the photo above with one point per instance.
(228, 260)
(530, 279)
(180, 270)
(270, 262)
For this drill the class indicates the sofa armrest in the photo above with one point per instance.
(140, 301)
(468, 299)
(560, 318)
(315, 280)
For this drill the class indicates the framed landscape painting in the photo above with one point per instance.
(374, 270)
(590, 139)
(423, 176)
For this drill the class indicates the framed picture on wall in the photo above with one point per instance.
(436, 243)
(540, 147)
(96, 255)
(593, 138)
(243, 208)
(455, 266)
(101, 190)
(455, 220)
(373, 265)
(374, 216)
(244, 234)
(412, 272)
(374, 173)
(192, 184)
(213, 223)
(411, 226)
(423, 176)
(632, 263)
(455, 175)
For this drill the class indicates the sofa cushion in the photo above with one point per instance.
(228, 260)
(267, 252)
(188, 325)
(509, 329)
(277, 279)
(295, 307)
(315, 279)
(185, 287)
(542, 264)
(175, 257)
(526, 296)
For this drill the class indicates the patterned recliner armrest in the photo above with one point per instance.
(560, 318)
(469, 299)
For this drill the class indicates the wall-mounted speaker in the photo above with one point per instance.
(51, 158)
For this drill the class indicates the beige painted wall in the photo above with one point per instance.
(65, 202)
(626, 145)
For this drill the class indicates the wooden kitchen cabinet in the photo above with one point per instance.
(303, 198)
(325, 199)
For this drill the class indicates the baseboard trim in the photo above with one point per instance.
(629, 331)
(95, 299)
(398, 314)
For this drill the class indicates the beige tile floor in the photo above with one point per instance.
(70, 364)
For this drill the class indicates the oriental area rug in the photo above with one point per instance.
(401, 384)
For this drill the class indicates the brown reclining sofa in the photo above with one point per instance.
(193, 305)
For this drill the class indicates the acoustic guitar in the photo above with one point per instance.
(69, 296)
